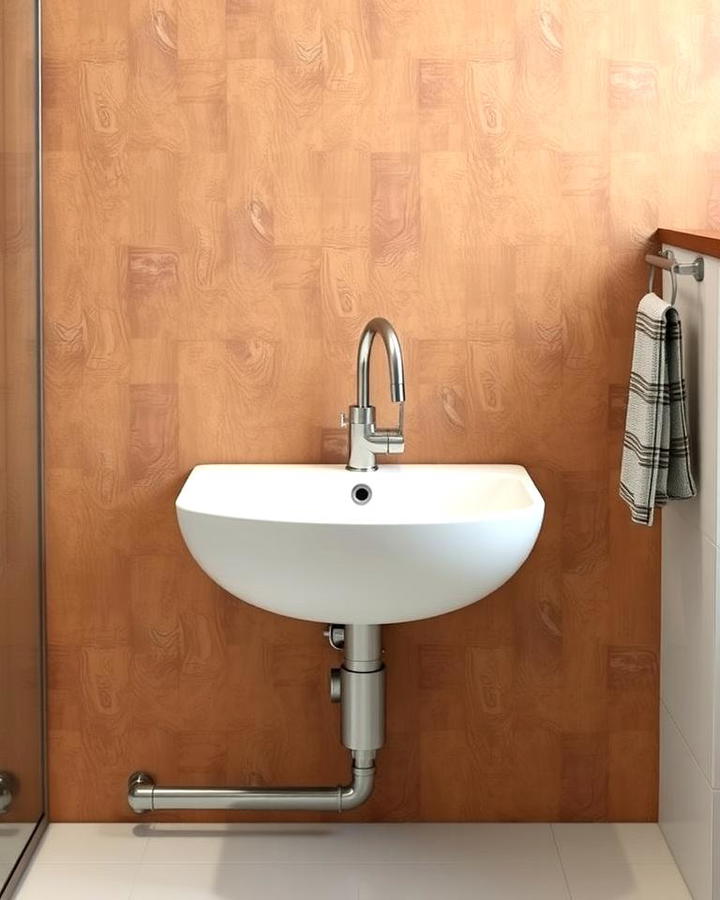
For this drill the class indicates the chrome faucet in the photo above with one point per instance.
(366, 441)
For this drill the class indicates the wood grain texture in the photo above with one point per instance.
(231, 191)
(20, 637)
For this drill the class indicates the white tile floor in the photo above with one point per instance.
(13, 837)
(353, 862)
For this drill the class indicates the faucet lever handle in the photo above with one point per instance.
(396, 442)
(394, 438)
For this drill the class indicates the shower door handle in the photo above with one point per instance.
(7, 786)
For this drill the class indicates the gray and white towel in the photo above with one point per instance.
(656, 449)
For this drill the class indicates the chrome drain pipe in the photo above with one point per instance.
(145, 796)
(360, 686)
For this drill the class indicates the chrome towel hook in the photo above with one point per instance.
(665, 259)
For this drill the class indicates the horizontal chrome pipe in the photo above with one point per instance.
(145, 796)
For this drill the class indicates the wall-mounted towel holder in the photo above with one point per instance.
(665, 259)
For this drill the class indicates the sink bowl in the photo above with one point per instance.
(299, 540)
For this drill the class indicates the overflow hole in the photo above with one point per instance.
(361, 494)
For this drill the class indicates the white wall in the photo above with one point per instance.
(690, 655)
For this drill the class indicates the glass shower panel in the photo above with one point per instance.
(21, 694)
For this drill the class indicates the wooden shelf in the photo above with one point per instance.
(705, 242)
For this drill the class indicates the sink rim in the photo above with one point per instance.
(188, 501)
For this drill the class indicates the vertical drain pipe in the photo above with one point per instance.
(362, 694)
(360, 687)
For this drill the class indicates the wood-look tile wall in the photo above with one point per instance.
(231, 190)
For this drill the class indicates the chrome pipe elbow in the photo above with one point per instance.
(359, 790)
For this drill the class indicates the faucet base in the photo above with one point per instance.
(366, 441)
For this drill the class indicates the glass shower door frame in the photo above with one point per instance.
(24, 859)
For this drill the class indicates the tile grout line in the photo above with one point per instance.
(146, 845)
(562, 864)
(685, 744)
(138, 865)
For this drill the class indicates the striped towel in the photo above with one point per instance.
(656, 451)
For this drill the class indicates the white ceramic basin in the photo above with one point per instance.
(291, 539)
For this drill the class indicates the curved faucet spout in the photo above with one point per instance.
(395, 361)
(366, 439)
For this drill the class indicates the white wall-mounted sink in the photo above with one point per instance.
(291, 539)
